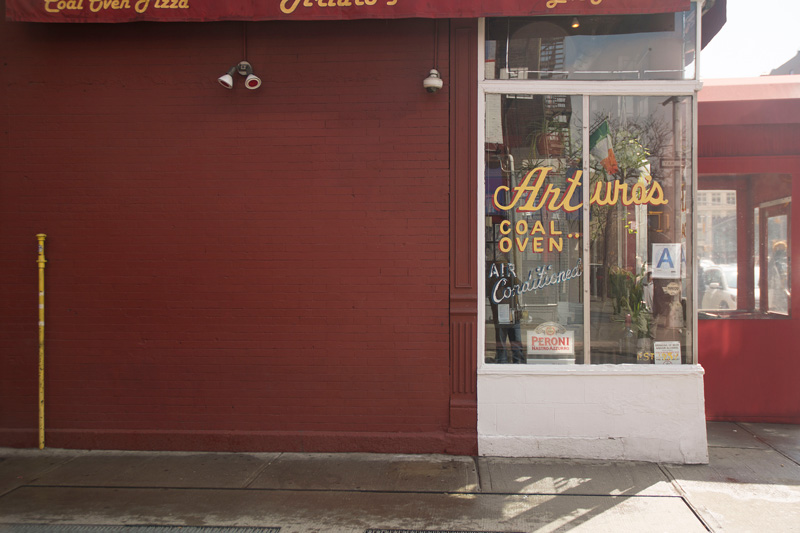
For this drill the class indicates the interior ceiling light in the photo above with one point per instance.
(575, 22)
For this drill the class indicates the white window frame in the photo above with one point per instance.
(586, 89)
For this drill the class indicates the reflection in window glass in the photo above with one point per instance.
(534, 309)
(626, 47)
(640, 171)
(717, 251)
(638, 176)
(744, 246)
(778, 279)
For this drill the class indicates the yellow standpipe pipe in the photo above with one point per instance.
(41, 261)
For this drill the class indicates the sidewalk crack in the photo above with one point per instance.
(759, 439)
(39, 475)
(250, 480)
(685, 498)
(476, 462)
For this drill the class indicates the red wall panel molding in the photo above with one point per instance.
(463, 238)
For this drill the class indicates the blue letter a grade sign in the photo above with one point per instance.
(667, 261)
(666, 257)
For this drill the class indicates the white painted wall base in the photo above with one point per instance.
(619, 412)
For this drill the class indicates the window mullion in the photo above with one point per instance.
(587, 336)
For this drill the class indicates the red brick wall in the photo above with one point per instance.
(235, 269)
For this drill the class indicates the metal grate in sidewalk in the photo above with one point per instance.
(428, 531)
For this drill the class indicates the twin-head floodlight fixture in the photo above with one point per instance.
(245, 69)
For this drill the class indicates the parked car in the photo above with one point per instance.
(720, 287)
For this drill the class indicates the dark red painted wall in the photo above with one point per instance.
(752, 365)
(235, 269)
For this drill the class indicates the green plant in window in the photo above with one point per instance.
(630, 225)
(621, 283)
(627, 293)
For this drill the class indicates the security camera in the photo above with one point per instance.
(433, 82)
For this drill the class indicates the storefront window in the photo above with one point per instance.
(640, 162)
(626, 47)
(744, 246)
(639, 182)
(534, 230)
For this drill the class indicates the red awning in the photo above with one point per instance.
(211, 10)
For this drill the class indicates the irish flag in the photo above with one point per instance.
(600, 147)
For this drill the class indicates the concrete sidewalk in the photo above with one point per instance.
(751, 484)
